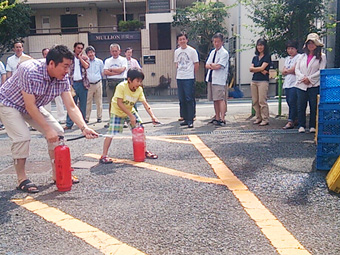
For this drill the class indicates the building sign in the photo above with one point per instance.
(118, 36)
(149, 59)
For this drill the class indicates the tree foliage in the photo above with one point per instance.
(15, 23)
(282, 20)
(201, 21)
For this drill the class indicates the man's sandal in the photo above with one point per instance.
(150, 155)
(28, 186)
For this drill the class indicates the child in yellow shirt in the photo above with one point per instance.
(126, 95)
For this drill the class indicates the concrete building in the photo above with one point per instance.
(96, 23)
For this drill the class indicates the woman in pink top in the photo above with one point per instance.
(307, 73)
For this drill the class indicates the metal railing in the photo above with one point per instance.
(70, 30)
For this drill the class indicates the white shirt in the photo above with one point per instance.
(2, 70)
(290, 79)
(186, 59)
(220, 76)
(77, 72)
(133, 63)
(312, 71)
(12, 63)
(116, 63)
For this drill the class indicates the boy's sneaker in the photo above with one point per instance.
(312, 130)
(302, 130)
(105, 160)
(2, 127)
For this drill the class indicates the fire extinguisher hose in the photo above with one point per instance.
(80, 137)
(101, 135)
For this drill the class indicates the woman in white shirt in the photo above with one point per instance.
(307, 72)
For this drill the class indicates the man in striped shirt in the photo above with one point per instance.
(33, 85)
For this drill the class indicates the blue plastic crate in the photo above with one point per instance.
(330, 85)
(328, 150)
(330, 78)
(329, 112)
(330, 95)
(328, 146)
(325, 162)
(329, 128)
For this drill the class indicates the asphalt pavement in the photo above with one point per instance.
(179, 203)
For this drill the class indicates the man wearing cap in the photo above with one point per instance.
(307, 73)
(94, 74)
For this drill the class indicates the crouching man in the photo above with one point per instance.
(33, 85)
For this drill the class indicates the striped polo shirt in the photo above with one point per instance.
(32, 77)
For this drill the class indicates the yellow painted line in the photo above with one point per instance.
(162, 169)
(91, 235)
(281, 239)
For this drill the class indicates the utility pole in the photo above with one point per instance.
(124, 7)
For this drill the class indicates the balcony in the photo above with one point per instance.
(42, 4)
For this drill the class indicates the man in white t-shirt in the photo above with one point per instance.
(13, 61)
(115, 69)
(2, 73)
(3, 79)
(186, 59)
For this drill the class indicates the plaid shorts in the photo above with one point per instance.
(116, 124)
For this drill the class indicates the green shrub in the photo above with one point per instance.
(129, 25)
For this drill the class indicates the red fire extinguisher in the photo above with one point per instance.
(62, 161)
(138, 141)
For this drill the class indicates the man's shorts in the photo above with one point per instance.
(216, 92)
(116, 124)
